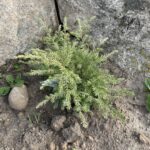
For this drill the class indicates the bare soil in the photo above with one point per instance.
(31, 130)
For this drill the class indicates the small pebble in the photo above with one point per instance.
(52, 146)
(57, 123)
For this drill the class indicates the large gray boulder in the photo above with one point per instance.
(125, 22)
(22, 23)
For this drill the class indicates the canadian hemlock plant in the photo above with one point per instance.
(72, 68)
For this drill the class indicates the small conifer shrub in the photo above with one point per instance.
(72, 68)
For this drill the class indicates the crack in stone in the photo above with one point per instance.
(58, 13)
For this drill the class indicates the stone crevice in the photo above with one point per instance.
(58, 12)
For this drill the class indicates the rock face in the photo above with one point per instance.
(125, 22)
(18, 98)
(22, 23)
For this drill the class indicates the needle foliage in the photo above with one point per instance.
(73, 69)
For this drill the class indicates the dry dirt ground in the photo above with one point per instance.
(31, 129)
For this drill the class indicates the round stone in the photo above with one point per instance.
(18, 98)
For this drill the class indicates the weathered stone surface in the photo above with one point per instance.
(125, 22)
(18, 98)
(22, 23)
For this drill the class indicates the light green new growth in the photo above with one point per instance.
(72, 68)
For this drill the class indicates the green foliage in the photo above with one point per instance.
(14, 81)
(11, 81)
(72, 69)
(4, 90)
(17, 67)
(34, 117)
(18, 81)
(147, 84)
